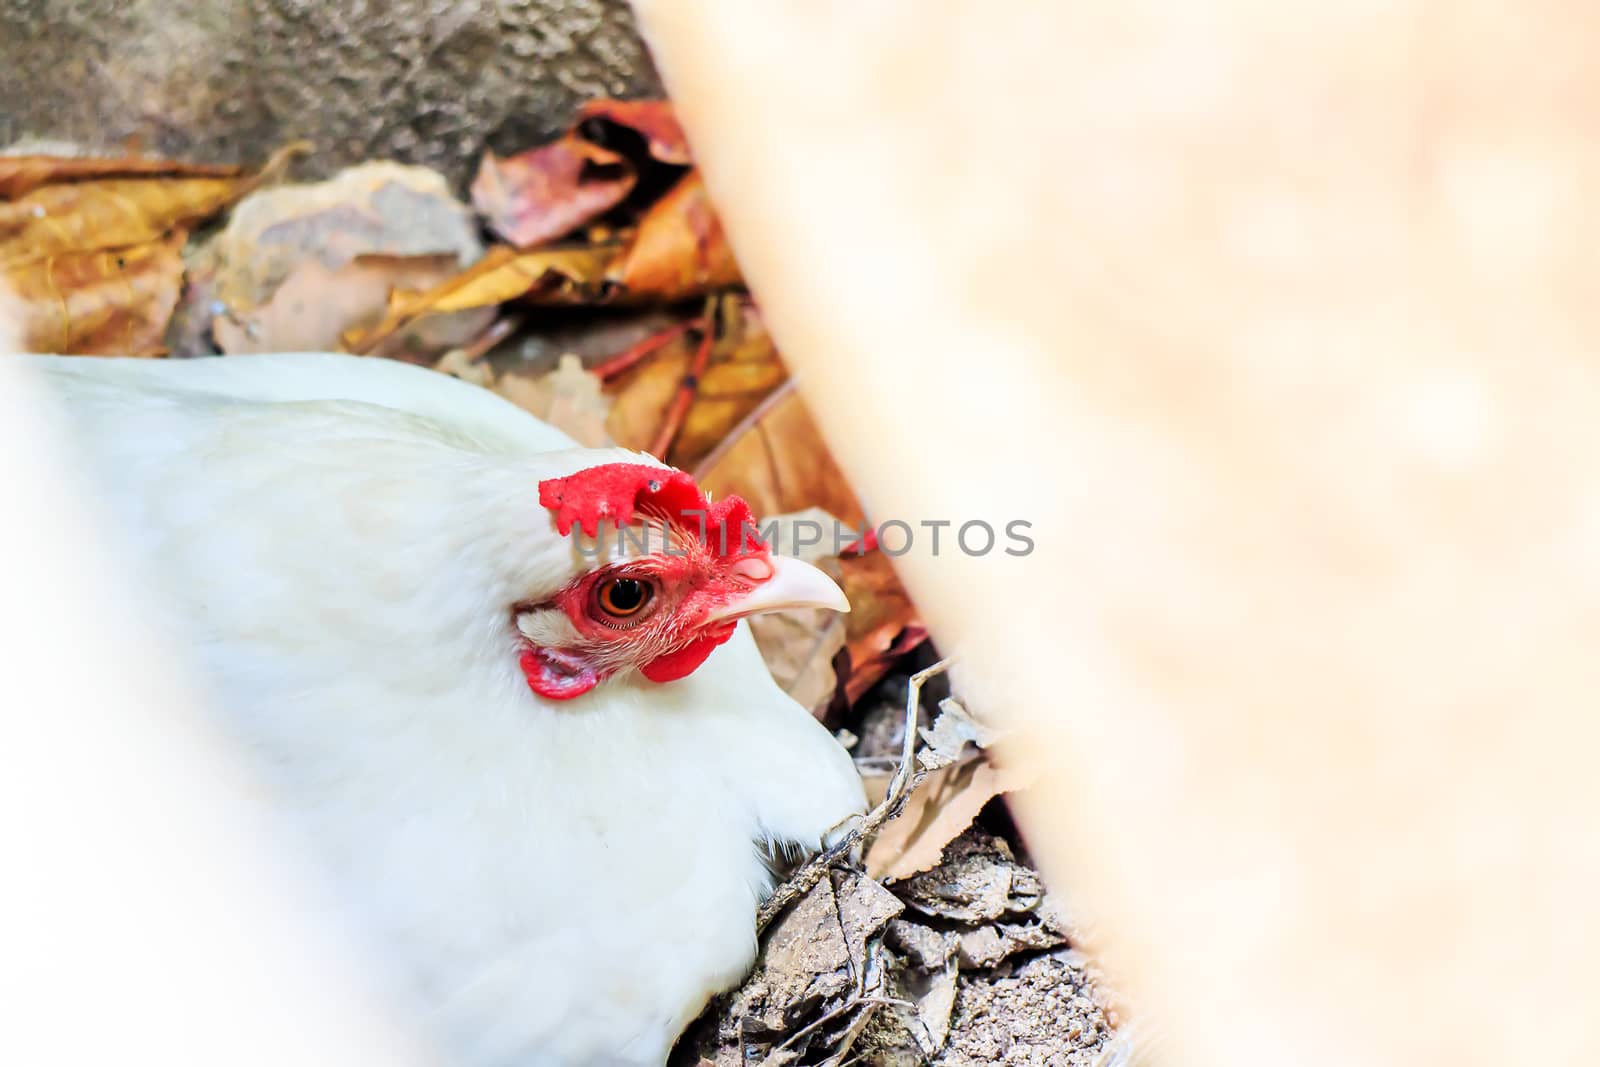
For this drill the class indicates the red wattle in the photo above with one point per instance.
(682, 663)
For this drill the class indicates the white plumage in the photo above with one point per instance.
(339, 543)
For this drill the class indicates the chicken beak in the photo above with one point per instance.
(794, 584)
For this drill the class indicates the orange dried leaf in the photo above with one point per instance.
(110, 213)
(114, 302)
(20, 175)
(883, 624)
(740, 375)
(643, 394)
(548, 276)
(679, 250)
(547, 192)
(778, 462)
(87, 216)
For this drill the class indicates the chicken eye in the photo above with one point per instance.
(623, 598)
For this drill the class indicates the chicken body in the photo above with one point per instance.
(339, 544)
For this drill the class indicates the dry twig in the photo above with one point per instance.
(636, 354)
(900, 786)
(684, 398)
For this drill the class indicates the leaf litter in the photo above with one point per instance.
(615, 310)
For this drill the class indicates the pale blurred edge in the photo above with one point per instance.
(147, 915)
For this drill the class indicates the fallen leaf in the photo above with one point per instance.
(653, 120)
(20, 175)
(744, 370)
(804, 959)
(988, 945)
(938, 811)
(934, 1009)
(816, 960)
(107, 213)
(642, 394)
(376, 208)
(865, 908)
(568, 398)
(614, 148)
(111, 213)
(777, 461)
(679, 250)
(549, 191)
(113, 302)
(926, 948)
(946, 741)
(883, 624)
(549, 276)
(977, 880)
(739, 372)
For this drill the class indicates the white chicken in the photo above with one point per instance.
(544, 769)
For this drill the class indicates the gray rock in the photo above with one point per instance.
(420, 81)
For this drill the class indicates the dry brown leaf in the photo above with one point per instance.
(883, 624)
(777, 461)
(549, 276)
(549, 191)
(20, 175)
(568, 398)
(553, 275)
(743, 371)
(642, 395)
(679, 250)
(111, 213)
(938, 811)
(114, 302)
(107, 213)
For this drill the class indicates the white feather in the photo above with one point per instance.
(339, 541)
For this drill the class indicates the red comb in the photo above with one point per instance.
(612, 493)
